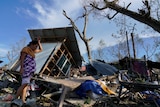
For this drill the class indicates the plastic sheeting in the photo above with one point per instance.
(89, 85)
(103, 68)
(94, 86)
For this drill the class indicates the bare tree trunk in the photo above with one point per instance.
(88, 50)
(15, 49)
(83, 34)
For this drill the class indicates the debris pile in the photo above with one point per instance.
(81, 89)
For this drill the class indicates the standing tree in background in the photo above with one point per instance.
(15, 49)
(151, 19)
(100, 49)
(83, 34)
(151, 48)
(100, 52)
(149, 15)
(143, 13)
(118, 51)
(124, 45)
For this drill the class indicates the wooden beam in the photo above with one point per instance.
(61, 100)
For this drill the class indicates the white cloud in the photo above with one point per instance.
(50, 15)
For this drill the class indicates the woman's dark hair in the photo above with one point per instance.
(33, 42)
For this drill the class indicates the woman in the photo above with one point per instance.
(27, 66)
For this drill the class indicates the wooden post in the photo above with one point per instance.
(61, 100)
(128, 45)
(134, 50)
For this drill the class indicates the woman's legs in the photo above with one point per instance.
(22, 90)
(24, 93)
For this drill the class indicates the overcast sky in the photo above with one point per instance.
(17, 16)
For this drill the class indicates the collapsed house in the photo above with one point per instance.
(59, 57)
(54, 65)
(60, 52)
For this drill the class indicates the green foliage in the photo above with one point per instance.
(87, 101)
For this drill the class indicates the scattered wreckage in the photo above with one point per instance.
(57, 66)
(61, 81)
(118, 90)
(59, 91)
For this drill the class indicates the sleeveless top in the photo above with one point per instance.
(29, 64)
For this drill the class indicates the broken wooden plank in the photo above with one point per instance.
(68, 82)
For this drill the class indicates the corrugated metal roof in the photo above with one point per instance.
(42, 57)
(52, 35)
